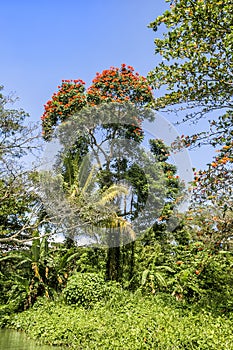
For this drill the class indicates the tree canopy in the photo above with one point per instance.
(196, 70)
(112, 85)
(197, 57)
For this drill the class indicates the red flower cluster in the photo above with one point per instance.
(112, 85)
(119, 85)
(69, 99)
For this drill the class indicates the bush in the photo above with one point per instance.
(84, 289)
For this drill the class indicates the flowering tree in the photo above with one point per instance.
(113, 85)
(197, 72)
(112, 92)
(119, 85)
(69, 99)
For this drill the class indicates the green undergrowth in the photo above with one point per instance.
(126, 321)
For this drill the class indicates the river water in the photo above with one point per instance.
(13, 340)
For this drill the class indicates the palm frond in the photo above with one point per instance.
(111, 193)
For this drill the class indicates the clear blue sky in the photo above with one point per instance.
(46, 41)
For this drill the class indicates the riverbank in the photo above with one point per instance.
(13, 340)
(127, 322)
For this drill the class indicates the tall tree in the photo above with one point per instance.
(197, 72)
(112, 85)
(119, 91)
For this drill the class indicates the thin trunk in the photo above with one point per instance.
(132, 261)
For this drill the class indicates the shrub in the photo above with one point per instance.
(84, 289)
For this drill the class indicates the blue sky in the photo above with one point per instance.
(44, 42)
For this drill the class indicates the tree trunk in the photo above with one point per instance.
(113, 264)
(113, 256)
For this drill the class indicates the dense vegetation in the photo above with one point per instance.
(126, 321)
(138, 286)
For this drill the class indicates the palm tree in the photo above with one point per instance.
(96, 209)
(99, 212)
